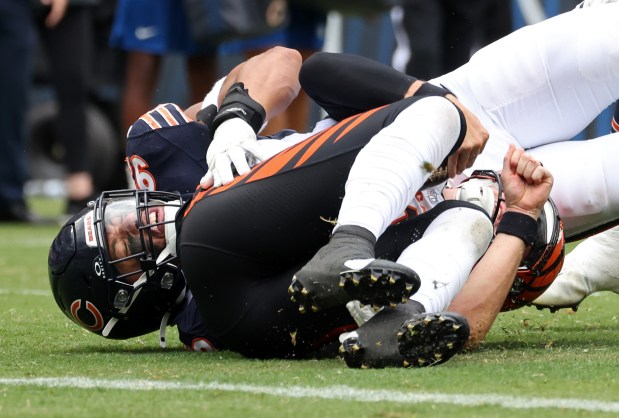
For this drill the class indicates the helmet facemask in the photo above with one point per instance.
(484, 189)
(117, 259)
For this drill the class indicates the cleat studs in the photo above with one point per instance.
(355, 347)
(400, 333)
(315, 308)
(409, 288)
(342, 350)
(391, 280)
(290, 290)
(393, 305)
(292, 298)
(373, 278)
(404, 299)
(438, 356)
(427, 320)
(450, 345)
(355, 281)
(441, 318)
(405, 364)
(304, 292)
(365, 366)
(302, 309)
(455, 327)
(410, 326)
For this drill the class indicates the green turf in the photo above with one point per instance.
(530, 354)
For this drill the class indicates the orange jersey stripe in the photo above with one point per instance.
(357, 121)
(151, 121)
(166, 115)
(274, 164)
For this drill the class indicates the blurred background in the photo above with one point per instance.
(376, 33)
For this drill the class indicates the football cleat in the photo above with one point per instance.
(420, 341)
(570, 288)
(589, 268)
(345, 270)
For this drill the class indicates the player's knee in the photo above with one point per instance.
(436, 116)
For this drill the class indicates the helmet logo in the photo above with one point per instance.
(97, 266)
(89, 230)
(94, 315)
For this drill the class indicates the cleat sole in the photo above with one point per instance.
(432, 339)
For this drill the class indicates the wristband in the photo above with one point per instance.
(428, 89)
(518, 225)
(207, 114)
(238, 104)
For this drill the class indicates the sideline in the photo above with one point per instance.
(345, 393)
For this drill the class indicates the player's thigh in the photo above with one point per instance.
(585, 189)
(545, 82)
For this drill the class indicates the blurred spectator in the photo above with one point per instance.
(17, 42)
(435, 37)
(305, 33)
(148, 30)
(68, 47)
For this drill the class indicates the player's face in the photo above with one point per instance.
(126, 236)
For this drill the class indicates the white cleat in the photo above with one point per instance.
(593, 266)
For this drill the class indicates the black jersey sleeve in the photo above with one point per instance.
(346, 84)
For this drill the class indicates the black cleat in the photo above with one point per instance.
(432, 339)
(379, 283)
(421, 340)
(345, 269)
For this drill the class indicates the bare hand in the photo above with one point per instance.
(473, 144)
(526, 183)
(56, 13)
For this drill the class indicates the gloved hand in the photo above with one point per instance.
(234, 146)
(361, 314)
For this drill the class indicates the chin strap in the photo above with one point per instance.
(166, 317)
(162, 328)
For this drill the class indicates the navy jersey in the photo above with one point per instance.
(191, 329)
(166, 150)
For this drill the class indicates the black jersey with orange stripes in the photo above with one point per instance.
(240, 244)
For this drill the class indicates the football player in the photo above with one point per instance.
(535, 100)
(106, 222)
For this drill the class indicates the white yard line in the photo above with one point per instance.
(25, 292)
(345, 393)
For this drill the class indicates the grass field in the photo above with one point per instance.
(550, 365)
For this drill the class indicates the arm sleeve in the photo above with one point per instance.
(345, 84)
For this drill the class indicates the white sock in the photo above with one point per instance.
(445, 255)
(396, 162)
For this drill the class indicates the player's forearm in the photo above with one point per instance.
(271, 78)
(482, 296)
